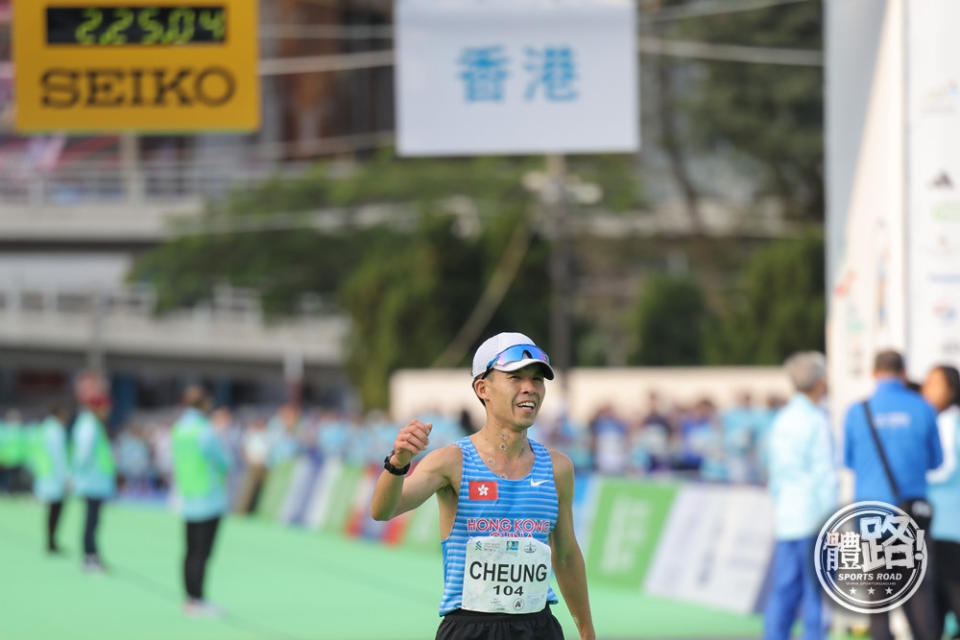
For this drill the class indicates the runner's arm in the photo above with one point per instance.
(393, 494)
(567, 558)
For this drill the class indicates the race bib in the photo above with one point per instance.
(506, 575)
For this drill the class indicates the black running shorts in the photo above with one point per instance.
(475, 625)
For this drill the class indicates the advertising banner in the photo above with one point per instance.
(933, 185)
(275, 488)
(136, 66)
(342, 497)
(715, 548)
(516, 76)
(627, 524)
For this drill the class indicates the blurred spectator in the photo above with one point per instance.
(283, 429)
(256, 454)
(332, 435)
(804, 491)
(162, 454)
(741, 428)
(14, 446)
(256, 444)
(608, 442)
(446, 430)
(696, 441)
(50, 470)
(467, 427)
(639, 457)
(133, 461)
(714, 465)
(94, 475)
(907, 430)
(571, 438)
(231, 434)
(654, 433)
(765, 420)
(359, 441)
(698, 437)
(942, 390)
(201, 463)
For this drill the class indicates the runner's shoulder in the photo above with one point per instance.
(447, 458)
(562, 464)
(562, 473)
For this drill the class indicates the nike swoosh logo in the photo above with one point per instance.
(536, 483)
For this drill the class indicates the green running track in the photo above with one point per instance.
(274, 582)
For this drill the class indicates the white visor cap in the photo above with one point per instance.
(492, 347)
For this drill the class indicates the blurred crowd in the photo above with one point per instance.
(698, 440)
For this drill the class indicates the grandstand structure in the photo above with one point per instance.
(75, 210)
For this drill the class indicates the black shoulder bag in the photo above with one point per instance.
(917, 508)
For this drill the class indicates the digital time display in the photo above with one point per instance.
(138, 25)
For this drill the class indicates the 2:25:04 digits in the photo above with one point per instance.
(150, 25)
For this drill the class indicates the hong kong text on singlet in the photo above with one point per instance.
(497, 556)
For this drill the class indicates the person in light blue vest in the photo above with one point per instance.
(803, 485)
(942, 390)
(6, 470)
(94, 475)
(13, 441)
(200, 467)
(50, 470)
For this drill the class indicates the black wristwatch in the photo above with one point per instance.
(397, 471)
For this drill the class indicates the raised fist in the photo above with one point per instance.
(411, 440)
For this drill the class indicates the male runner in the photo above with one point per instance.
(505, 506)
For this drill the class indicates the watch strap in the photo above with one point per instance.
(397, 471)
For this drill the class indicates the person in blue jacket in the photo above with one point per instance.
(94, 475)
(51, 470)
(200, 466)
(907, 428)
(942, 390)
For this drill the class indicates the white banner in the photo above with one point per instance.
(516, 76)
(933, 185)
(865, 169)
(716, 547)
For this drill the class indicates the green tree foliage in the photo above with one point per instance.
(408, 300)
(408, 283)
(770, 113)
(282, 265)
(669, 322)
(779, 307)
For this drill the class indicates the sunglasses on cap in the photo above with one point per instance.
(516, 353)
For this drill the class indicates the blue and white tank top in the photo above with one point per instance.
(489, 505)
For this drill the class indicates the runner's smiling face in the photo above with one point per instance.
(513, 397)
